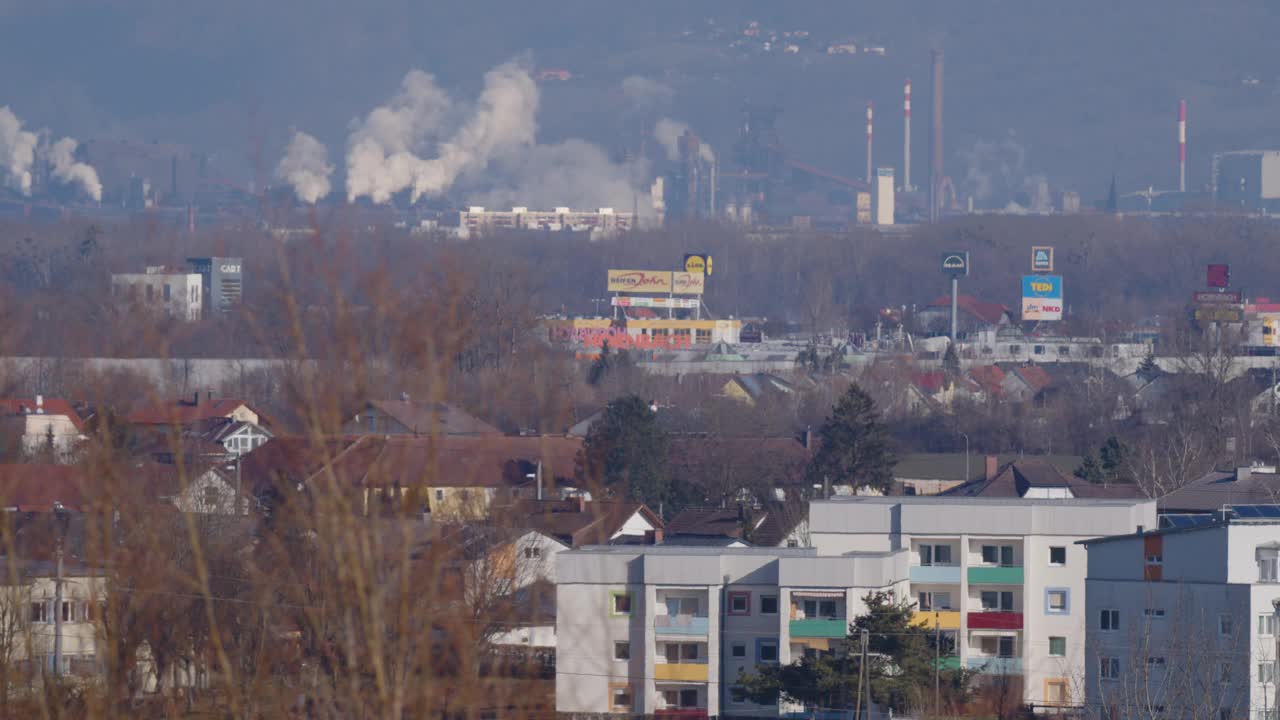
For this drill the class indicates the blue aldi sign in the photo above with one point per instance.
(1041, 297)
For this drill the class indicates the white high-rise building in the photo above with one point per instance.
(1183, 620)
(1004, 577)
(884, 196)
(664, 630)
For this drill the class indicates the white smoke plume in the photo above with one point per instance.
(17, 152)
(305, 167)
(387, 152)
(575, 173)
(380, 151)
(643, 92)
(64, 168)
(667, 132)
(996, 175)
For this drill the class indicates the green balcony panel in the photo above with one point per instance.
(995, 576)
(820, 628)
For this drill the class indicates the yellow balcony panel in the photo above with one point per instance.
(944, 619)
(682, 672)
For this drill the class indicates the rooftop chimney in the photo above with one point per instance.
(906, 137)
(993, 467)
(1244, 474)
(870, 170)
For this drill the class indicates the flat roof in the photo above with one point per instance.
(981, 501)
(694, 550)
(1212, 525)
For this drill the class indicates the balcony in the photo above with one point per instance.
(995, 620)
(944, 619)
(681, 714)
(951, 662)
(681, 625)
(820, 628)
(995, 576)
(680, 672)
(995, 665)
(935, 574)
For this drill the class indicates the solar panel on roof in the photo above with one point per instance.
(1184, 520)
(1269, 512)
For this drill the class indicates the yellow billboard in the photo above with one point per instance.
(641, 281)
(689, 283)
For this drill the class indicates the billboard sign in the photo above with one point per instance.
(655, 302)
(1220, 314)
(1219, 276)
(1041, 297)
(955, 263)
(1212, 297)
(640, 281)
(688, 283)
(698, 263)
(1042, 259)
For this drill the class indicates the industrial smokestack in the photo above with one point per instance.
(870, 170)
(906, 137)
(1182, 145)
(935, 141)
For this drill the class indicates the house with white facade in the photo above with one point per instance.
(1183, 620)
(665, 630)
(1003, 577)
(29, 616)
(174, 293)
(44, 425)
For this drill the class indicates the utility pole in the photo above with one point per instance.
(866, 674)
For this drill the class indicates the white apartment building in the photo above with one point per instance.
(1183, 620)
(177, 294)
(1005, 578)
(664, 630)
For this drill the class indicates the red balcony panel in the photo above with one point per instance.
(995, 621)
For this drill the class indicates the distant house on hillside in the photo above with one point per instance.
(1036, 479)
(229, 423)
(751, 388)
(38, 425)
(406, 417)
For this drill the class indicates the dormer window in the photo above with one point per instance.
(1267, 557)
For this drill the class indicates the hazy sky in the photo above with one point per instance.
(1072, 91)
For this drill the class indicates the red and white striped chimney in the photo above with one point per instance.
(906, 136)
(1182, 145)
(869, 176)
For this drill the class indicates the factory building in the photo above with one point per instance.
(1247, 180)
(173, 292)
(689, 187)
(478, 221)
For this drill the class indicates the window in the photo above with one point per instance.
(1064, 349)
(533, 552)
(1109, 620)
(935, 601)
(997, 600)
(738, 650)
(997, 555)
(1155, 559)
(1224, 672)
(622, 651)
(1266, 566)
(935, 555)
(439, 496)
(39, 612)
(682, 606)
(1055, 691)
(1057, 601)
(689, 698)
(1057, 646)
(620, 697)
(767, 651)
(1157, 613)
(1155, 660)
(768, 604)
(1267, 624)
(619, 603)
(1007, 647)
(151, 293)
(1038, 349)
(168, 291)
(1057, 556)
(1015, 349)
(1266, 672)
(681, 653)
(212, 498)
(1109, 668)
(1224, 624)
(739, 603)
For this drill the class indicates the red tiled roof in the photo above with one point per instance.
(184, 412)
(930, 381)
(36, 487)
(51, 406)
(987, 312)
(987, 377)
(1036, 377)
(426, 418)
